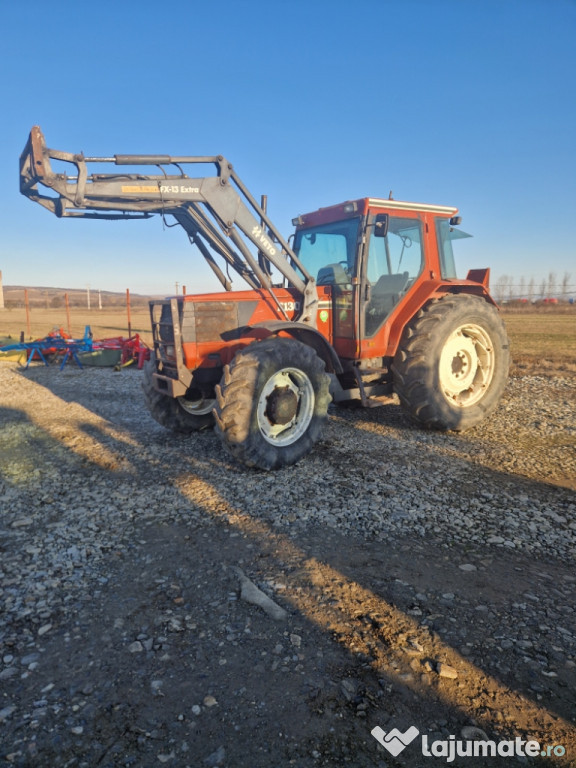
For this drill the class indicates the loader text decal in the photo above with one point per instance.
(263, 241)
(134, 188)
(176, 189)
(165, 189)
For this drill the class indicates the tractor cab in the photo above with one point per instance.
(368, 255)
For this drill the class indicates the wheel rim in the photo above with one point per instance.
(285, 407)
(466, 365)
(199, 407)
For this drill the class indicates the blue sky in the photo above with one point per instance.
(456, 102)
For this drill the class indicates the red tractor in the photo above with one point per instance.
(363, 304)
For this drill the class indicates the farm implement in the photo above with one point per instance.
(129, 350)
(58, 344)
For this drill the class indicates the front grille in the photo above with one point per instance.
(164, 316)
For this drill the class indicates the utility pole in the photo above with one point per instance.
(1, 292)
(99, 299)
(88, 295)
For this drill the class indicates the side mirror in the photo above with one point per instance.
(381, 225)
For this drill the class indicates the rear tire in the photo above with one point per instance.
(272, 403)
(179, 414)
(452, 364)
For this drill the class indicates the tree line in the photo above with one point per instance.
(510, 288)
(75, 301)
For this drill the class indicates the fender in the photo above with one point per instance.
(475, 284)
(307, 335)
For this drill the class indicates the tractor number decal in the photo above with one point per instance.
(290, 306)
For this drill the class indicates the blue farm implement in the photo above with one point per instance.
(59, 344)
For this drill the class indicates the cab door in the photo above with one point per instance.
(393, 258)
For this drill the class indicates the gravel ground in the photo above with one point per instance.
(163, 605)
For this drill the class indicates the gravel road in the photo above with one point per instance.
(412, 579)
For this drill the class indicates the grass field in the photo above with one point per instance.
(543, 341)
(104, 323)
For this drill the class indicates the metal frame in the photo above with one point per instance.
(218, 213)
(175, 378)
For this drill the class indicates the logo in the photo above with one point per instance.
(263, 241)
(478, 746)
(395, 741)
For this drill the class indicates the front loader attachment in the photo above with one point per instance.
(218, 213)
(36, 170)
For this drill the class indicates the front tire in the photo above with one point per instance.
(272, 403)
(452, 364)
(179, 414)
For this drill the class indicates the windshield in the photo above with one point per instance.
(328, 251)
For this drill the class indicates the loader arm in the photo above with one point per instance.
(218, 212)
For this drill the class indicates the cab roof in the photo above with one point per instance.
(361, 206)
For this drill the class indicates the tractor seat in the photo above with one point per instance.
(332, 274)
(389, 287)
(386, 293)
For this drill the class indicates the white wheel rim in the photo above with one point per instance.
(466, 365)
(296, 388)
(199, 407)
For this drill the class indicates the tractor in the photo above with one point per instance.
(360, 305)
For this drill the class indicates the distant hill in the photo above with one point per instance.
(47, 297)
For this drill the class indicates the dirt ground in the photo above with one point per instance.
(124, 551)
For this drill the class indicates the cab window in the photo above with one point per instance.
(446, 234)
(394, 262)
